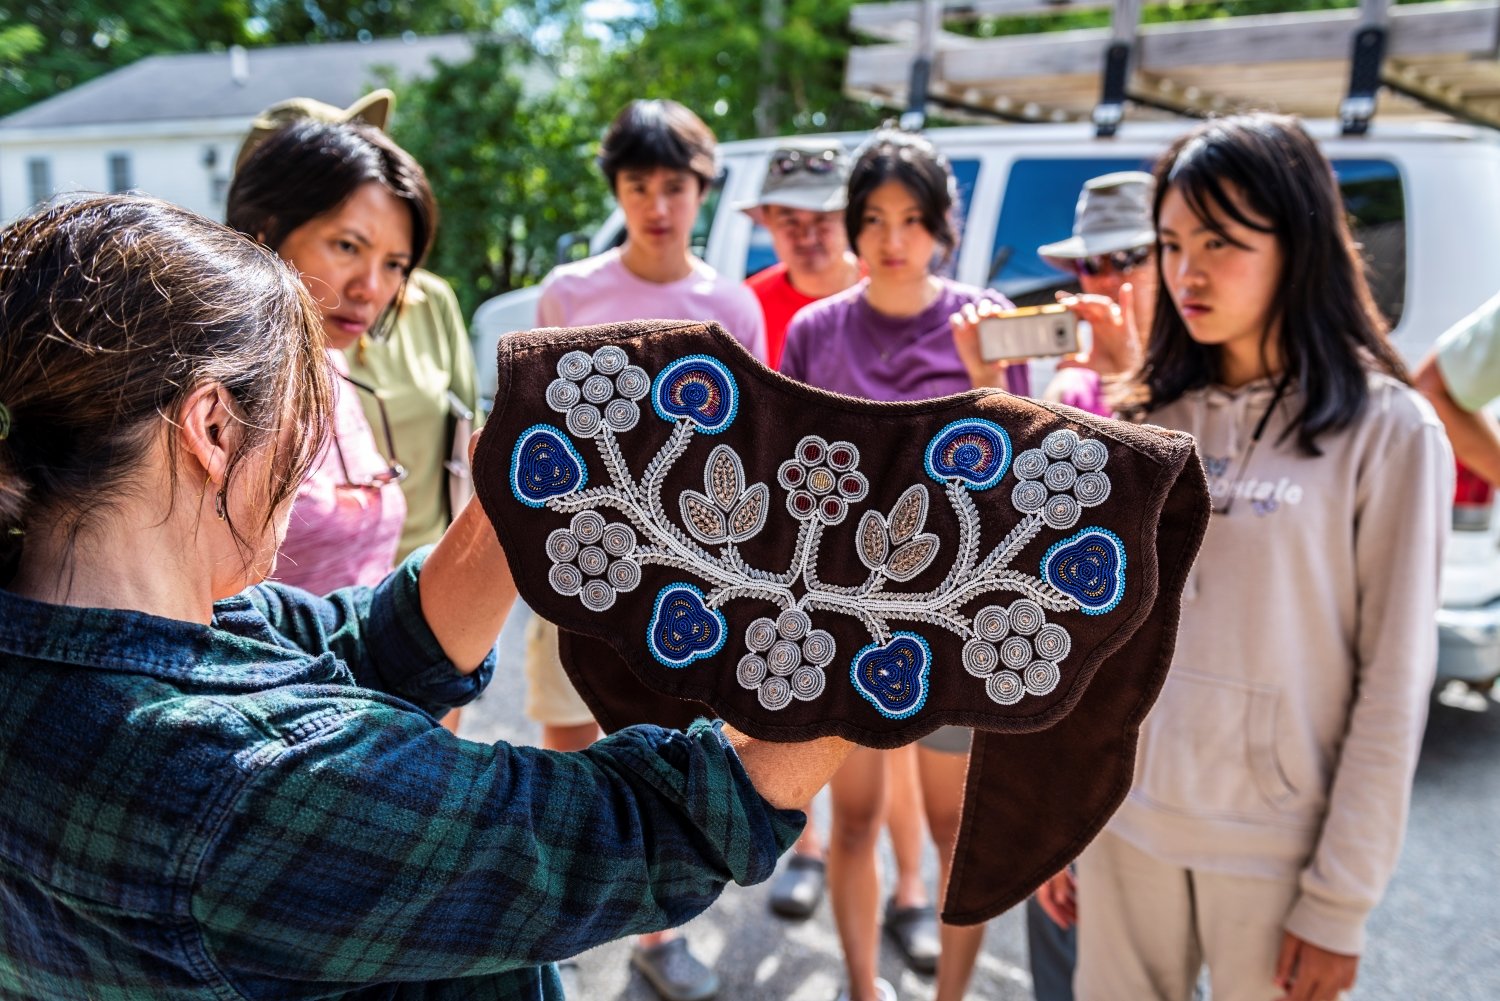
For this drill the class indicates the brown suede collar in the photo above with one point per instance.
(714, 538)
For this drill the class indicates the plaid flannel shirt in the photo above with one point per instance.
(265, 807)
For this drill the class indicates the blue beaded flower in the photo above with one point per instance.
(1088, 567)
(684, 629)
(697, 388)
(893, 676)
(974, 451)
(543, 465)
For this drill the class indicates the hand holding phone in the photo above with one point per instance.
(1028, 332)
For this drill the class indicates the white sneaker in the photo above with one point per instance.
(883, 991)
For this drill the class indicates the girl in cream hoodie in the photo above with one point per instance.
(1274, 773)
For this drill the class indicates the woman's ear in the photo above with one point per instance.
(209, 431)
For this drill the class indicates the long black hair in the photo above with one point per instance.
(1331, 332)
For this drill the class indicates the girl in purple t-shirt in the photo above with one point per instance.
(890, 338)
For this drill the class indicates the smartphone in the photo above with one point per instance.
(1029, 332)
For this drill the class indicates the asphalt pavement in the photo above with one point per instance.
(1436, 936)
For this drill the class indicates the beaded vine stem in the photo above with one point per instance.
(1013, 648)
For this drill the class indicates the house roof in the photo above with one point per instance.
(202, 85)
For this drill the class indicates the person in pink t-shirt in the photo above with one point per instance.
(660, 161)
(353, 213)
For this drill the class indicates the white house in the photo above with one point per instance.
(170, 126)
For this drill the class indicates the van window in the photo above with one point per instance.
(759, 255)
(1041, 194)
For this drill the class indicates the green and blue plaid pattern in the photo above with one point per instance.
(222, 812)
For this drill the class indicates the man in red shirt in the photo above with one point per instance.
(801, 205)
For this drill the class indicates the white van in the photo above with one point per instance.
(1424, 200)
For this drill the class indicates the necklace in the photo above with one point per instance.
(1247, 450)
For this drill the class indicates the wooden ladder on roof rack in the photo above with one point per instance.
(1410, 61)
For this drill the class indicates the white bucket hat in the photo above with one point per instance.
(812, 175)
(1114, 213)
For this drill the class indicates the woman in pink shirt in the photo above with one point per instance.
(353, 213)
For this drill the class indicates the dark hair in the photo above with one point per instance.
(649, 134)
(113, 310)
(1331, 331)
(913, 162)
(310, 168)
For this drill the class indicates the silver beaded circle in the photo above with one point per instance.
(565, 578)
(1042, 677)
(1059, 444)
(1015, 652)
(1089, 455)
(1060, 476)
(588, 526)
(610, 359)
(980, 658)
(784, 657)
(562, 394)
(574, 365)
(1062, 511)
(1028, 496)
(1030, 464)
(598, 388)
(793, 624)
(592, 560)
(585, 420)
(621, 415)
(624, 575)
(633, 383)
(751, 671)
(992, 623)
(775, 693)
(597, 596)
(1053, 642)
(807, 682)
(818, 648)
(1005, 687)
(562, 546)
(617, 539)
(760, 634)
(1091, 489)
(1026, 616)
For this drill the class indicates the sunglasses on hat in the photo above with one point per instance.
(790, 161)
(1120, 260)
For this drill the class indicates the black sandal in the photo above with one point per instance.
(915, 932)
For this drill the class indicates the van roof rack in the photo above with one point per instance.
(1412, 61)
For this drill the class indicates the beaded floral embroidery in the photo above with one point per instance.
(1012, 646)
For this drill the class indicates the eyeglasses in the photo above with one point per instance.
(1120, 261)
(396, 472)
(792, 160)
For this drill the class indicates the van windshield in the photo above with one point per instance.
(1038, 209)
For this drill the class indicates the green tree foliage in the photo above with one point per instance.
(289, 21)
(726, 59)
(47, 46)
(513, 172)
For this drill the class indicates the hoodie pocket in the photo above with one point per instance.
(1209, 748)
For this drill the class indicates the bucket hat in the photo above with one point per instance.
(804, 174)
(1114, 213)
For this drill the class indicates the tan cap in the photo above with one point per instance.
(373, 109)
(1113, 213)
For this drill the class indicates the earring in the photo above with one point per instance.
(219, 504)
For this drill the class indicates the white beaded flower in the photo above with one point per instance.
(786, 659)
(1061, 478)
(822, 480)
(592, 560)
(1016, 650)
(598, 391)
